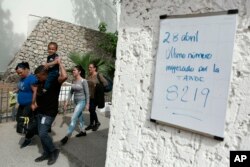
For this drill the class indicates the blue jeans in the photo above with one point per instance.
(44, 123)
(53, 75)
(80, 105)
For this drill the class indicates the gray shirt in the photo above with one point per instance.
(80, 90)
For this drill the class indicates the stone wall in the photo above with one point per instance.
(69, 37)
(134, 141)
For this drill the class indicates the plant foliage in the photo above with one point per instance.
(105, 67)
(109, 43)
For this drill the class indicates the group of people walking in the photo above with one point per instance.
(38, 101)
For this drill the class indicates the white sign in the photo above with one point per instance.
(193, 70)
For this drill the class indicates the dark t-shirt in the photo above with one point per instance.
(48, 102)
(50, 59)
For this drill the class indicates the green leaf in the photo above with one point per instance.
(106, 67)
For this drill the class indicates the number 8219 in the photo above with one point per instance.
(173, 93)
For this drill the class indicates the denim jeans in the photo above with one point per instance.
(53, 75)
(44, 123)
(80, 105)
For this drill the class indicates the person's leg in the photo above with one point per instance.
(95, 116)
(81, 122)
(19, 112)
(46, 123)
(77, 112)
(23, 114)
(19, 128)
(92, 107)
(45, 154)
(27, 139)
(48, 81)
(97, 123)
(49, 150)
(82, 130)
(27, 111)
(51, 77)
(42, 128)
(31, 131)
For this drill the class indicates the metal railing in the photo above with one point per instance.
(8, 112)
(63, 96)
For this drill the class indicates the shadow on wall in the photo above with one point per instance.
(9, 41)
(89, 13)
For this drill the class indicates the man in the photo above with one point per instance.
(47, 108)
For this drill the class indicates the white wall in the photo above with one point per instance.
(133, 139)
(17, 13)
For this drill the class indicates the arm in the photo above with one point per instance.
(103, 80)
(51, 63)
(15, 90)
(86, 91)
(63, 75)
(34, 90)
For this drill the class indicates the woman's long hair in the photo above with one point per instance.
(79, 68)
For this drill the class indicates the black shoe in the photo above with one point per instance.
(49, 130)
(64, 140)
(89, 127)
(53, 157)
(81, 134)
(96, 126)
(42, 158)
(25, 143)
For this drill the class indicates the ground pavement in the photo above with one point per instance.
(87, 151)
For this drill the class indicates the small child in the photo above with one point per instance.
(52, 65)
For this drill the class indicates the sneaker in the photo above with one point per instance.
(81, 134)
(25, 143)
(42, 158)
(53, 157)
(89, 127)
(64, 140)
(96, 126)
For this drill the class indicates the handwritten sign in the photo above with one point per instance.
(193, 69)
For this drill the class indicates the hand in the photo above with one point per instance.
(15, 90)
(87, 107)
(46, 66)
(65, 107)
(58, 60)
(33, 106)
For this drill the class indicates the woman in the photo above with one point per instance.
(80, 90)
(96, 82)
(26, 95)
